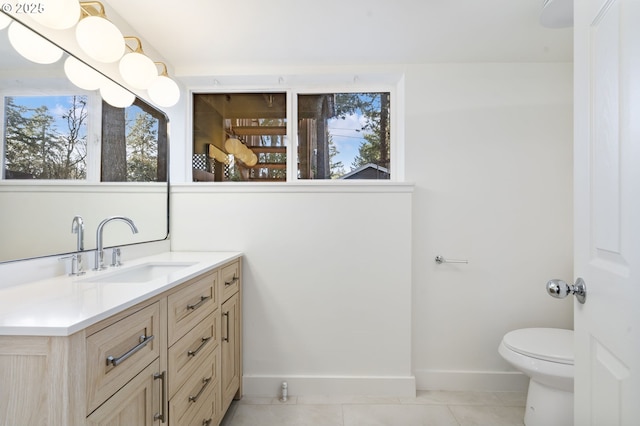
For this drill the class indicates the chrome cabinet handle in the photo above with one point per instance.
(162, 376)
(226, 338)
(197, 305)
(204, 342)
(233, 281)
(117, 360)
(560, 289)
(206, 383)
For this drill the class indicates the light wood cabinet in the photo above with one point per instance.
(173, 359)
(231, 341)
(137, 403)
(194, 352)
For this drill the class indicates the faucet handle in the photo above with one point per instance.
(76, 264)
(116, 259)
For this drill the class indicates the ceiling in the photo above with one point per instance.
(201, 37)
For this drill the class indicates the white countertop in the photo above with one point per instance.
(63, 305)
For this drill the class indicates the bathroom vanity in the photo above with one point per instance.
(157, 341)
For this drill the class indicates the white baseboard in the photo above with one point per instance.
(471, 380)
(270, 386)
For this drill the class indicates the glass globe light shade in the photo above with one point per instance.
(5, 20)
(218, 154)
(233, 146)
(58, 14)
(138, 70)
(251, 160)
(164, 91)
(100, 39)
(82, 75)
(116, 95)
(32, 46)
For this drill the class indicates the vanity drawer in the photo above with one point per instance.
(191, 304)
(117, 353)
(229, 280)
(196, 392)
(188, 352)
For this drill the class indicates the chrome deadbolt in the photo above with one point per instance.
(560, 289)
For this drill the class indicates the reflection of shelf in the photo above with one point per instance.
(269, 149)
(276, 166)
(260, 130)
(267, 179)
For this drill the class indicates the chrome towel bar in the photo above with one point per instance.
(440, 259)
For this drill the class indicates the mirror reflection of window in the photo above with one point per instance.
(134, 144)
(45, 137)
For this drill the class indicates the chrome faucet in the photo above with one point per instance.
(77, 227)
(99, 263)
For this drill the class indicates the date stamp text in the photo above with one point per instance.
(30, 8)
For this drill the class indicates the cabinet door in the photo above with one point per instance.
(230, 349)
(137, 403)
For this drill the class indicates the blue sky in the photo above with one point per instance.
(346, 138)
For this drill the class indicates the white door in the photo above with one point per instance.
(607, 211)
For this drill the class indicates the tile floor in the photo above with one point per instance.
(428, 408)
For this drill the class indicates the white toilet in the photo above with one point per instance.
(546, 356)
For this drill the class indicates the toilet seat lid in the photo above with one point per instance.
(548, 344)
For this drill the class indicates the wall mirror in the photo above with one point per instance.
(67, 152)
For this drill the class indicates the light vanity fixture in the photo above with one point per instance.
(102, 41)
(163, 90)
(97, 36)
(136, 68)
(82, 75)
(32, 46)
(241, 151)
(218, 154)
(5, 20)
(116, 95)
(57, 14)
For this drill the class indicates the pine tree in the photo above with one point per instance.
(142, 149)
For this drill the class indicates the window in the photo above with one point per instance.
(343, 136)
(337, 136)
(46, 137)
(240, 136)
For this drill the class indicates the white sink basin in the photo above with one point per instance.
(140, 273)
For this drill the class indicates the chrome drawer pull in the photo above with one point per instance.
(197, 305)
(204, 342)
(206, 383)
(233, 281)
(143, 342)
(162, 376)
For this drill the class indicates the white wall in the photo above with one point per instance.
(327, 281)
(489, 147)
(332, 300)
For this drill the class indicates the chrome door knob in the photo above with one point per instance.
(560, 289)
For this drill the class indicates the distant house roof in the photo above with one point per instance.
(368, 171)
